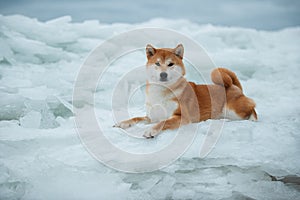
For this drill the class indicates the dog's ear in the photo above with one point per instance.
(150, 50)
(179, 51)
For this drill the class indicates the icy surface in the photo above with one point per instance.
(41, 156)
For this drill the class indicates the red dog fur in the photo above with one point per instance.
(172, 101)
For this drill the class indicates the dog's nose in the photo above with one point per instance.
(163, 75)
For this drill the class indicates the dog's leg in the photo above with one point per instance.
(172, 123)
(128, 123)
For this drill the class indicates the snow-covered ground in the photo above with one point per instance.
(41, 156)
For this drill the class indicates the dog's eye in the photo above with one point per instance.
(170, 64)
(157, 63)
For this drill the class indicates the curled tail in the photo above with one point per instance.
(225, 77)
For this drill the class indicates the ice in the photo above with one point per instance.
(41, 155)
(31, 120)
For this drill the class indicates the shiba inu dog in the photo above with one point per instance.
(172, 101)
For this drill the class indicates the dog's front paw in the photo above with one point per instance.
(150, 133)
(123, 125)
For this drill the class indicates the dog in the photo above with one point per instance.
(171, 101)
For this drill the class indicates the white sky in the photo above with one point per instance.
(259, 14)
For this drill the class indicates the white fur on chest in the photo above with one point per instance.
(229, 114)
(159, 105)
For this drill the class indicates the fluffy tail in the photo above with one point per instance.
(225, 77)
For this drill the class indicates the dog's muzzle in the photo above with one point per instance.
(163, 76)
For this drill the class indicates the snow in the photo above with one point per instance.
(41, 155)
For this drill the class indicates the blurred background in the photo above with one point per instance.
(258, 14)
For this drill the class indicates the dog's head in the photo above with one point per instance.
(164, 65)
